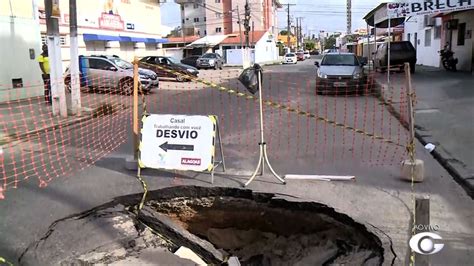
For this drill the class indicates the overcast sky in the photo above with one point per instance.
(328, 15)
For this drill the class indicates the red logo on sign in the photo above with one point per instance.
(109, 21)
(190, 161)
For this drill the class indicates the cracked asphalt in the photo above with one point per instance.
(377, 197)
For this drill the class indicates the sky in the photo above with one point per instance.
(327, 15)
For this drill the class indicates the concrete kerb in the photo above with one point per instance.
(443, 158)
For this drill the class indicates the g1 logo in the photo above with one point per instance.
(426, 243)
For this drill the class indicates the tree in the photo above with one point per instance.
(309, 45)
(330, 42)
(281, 49)
(284, 32)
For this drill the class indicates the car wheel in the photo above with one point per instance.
(126, 86)
(180, 78)
(220, 67)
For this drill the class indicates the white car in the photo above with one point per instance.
(290, 59)
(307, 55)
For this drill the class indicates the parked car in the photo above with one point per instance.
(307, 55)
(400, 53)
(169, 63)
(314, 52)
(290, 58)
(103, 72)
(300, 56)
(210, 60)
(340, 70)
(191, 60)
(327, 51)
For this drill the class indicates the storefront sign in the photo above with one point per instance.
(130, 26)
(110, 21)
(425, 7)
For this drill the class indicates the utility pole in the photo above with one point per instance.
(75, 82)
(58, 94)
(253, 33)
(288, 33)
(246, 58)
(240, 28)
(349, 17)
(247, 23)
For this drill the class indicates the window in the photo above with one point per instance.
(196, 6)
(409, 37)
(182, 20)
(196, 19)
(204, 18)
(428, 38)
(437, 32)
(461, 34)
(218, 29)
(205, 32)
(182, 7)
(218, 15)
(199, 33)
(95, 63)
(218, 1)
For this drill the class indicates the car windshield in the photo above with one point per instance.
(122, 63)
(209, 56)
(290, 55)
(173, 60)
(339, 60)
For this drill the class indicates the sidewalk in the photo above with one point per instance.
(444, 116)
(30, 116)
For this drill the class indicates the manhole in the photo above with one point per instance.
(217, 223)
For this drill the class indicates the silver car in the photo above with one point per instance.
(340, 70)
(111, 73)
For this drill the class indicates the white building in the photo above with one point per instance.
(20, 75)
(214, 17)
(424, 32)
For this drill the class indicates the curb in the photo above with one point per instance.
(438, 154)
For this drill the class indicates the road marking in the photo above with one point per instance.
(426, 111)
(321, 177)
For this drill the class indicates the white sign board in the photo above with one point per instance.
(178, 142)
(425, 7)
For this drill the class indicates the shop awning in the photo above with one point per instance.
(208, 41)
(98, 37)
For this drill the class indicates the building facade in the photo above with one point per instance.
(424, 32)
(20, 75)
(126, 28)
(215, 17)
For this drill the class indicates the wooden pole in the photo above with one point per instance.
(135, 109)
(411, 118)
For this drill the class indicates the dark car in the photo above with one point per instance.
(210, 60)
(191, 60)
(340, 70)
(300, 56)
(400, 53)
(169, 63)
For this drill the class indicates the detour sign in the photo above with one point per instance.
(178, 142)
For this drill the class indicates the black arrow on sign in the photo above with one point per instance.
(177, 147)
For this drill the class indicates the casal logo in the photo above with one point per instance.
(426, 243)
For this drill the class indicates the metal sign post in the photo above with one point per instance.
(263, 158)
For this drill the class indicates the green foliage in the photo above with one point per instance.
(309, 45)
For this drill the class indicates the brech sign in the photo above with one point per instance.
(178, 142)
(425, 7)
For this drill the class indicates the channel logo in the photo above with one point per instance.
(426, 243)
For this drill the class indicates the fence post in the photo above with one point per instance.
(412, 169)
(135, 109)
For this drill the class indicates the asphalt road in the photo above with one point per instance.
(297, 145)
